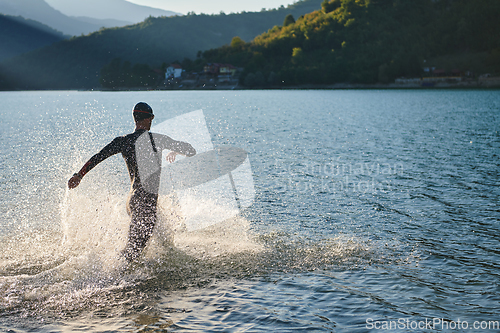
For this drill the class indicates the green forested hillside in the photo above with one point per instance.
(368, 41)
(76, 63)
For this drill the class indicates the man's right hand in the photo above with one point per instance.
(74, 181)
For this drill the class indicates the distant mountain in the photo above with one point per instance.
(76, 63)
(76, 17)
(120, 10)
(40, 11)
(20, 35)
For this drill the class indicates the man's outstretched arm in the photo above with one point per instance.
(180, 147)
(111, 149)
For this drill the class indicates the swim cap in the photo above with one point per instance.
(142, 111)
(143, 108)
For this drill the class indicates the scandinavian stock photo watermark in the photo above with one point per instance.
(342, 176)
(432, 324)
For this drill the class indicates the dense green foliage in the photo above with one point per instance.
(369, 41)
(118, 74)
(76, 63)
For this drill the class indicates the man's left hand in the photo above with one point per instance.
(171, 157)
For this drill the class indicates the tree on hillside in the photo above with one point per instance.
(288, 20)
(237, 42)
(330, 6)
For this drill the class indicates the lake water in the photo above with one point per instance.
(373, 209)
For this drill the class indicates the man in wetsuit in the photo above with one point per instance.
(142, 153)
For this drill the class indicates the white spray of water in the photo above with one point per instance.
(95, 221)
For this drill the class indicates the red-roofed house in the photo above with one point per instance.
(223, 72)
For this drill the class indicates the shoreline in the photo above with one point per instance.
(336, 86)
(492, 84)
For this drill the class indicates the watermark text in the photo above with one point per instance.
(431, 324)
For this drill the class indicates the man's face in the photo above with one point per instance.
(150, 120)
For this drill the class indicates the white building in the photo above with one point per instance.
(173, 71)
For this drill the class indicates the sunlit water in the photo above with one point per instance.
(371, 207)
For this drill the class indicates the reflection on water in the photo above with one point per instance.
(369, 204)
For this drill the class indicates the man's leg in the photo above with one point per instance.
(143, 216)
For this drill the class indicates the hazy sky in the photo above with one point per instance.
(213, 6)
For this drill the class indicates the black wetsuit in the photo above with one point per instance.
(143, 195)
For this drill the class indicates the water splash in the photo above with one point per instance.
(79, 269)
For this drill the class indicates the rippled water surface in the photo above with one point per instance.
(371, 208)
